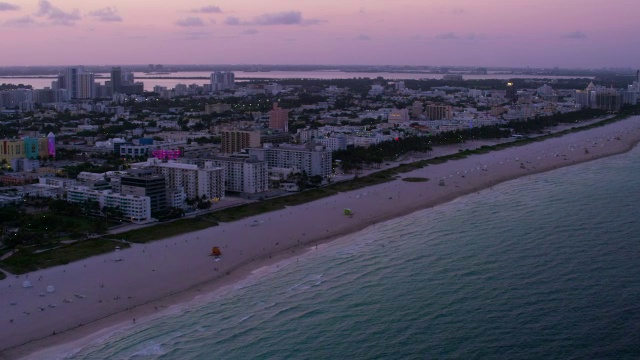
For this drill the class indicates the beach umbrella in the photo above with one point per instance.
(26, 284)
(50, 289)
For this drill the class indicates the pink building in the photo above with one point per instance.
(166, 154)
(279, 118)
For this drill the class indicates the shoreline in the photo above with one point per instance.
(149, 291)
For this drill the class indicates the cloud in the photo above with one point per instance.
(232, 20)
(8, 7)
(458, 11)
(269, 19)
(107, 14)
(283, 18)
(57, 16)
(211, 9)
(575, 35)
(451, 36)
(22, 21)
(250, 32)
(364, 37)
(197, 35)
(447, 36)
(190, 21)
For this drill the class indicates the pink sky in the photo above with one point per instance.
(541, 33)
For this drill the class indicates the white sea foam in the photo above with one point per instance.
(155, 349)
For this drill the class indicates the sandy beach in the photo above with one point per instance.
(126, 286)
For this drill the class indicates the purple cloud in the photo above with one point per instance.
(56, 15)
(107, 14)
(575, 35)
(250, 32)
(190, 21)
(364, 37)
(232, 20)
(4, 6)
(211, 9)
(283, 18)
(447, 36)
(453, 36)
(269, 19)
(22, 21)
(197, 35)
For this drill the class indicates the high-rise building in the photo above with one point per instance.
(241, 175)
(79, 84)
(86, 86)
(128, 78)
(608, 100)
(196, 182)
(234, 141)
(279, 118)
(438, 112)
(143, 182)
(316, 161)
(71, 81)
(61, 83)
(222, 80)
(512, 91)
(116, 80)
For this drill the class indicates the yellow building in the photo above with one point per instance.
(43, 147)
(11, 149)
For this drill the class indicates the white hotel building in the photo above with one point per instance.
(316, 161)
(207, 181)
(248, 176)
(137, 209)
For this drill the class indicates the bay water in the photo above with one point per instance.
(200, 78)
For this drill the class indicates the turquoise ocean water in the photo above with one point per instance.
(543, 267)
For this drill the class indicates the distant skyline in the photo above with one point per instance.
(541, 33)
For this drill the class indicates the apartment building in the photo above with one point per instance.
(206, 181)
(243, 175)
(314, 161)
(134, 208)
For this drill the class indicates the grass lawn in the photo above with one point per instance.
(165, 230)
(25, 261)
(415, 179)
(79, 224)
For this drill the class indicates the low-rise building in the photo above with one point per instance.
(58, 182)
(134, 208)
(333, 143)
